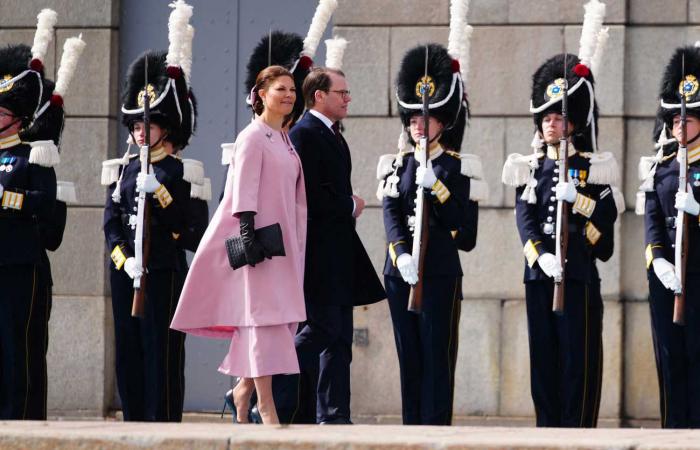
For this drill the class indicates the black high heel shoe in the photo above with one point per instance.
(228, 401)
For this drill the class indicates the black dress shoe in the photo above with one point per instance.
(336, 421)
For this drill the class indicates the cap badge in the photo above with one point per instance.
(5, 83)
(151, 95)
(556, 89)
(426, 79)
(688, 86)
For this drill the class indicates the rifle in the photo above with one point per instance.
(562, 231)
(420, 232)
(681, 248)
(143, 213)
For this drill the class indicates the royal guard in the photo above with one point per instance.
(31, 121)
(671, 217)
(566, 205)
(149, 355)
(429, 170)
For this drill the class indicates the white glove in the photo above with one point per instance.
(131, 268)
(666, 273)
(425, 176)
(146, 183)
(2, 190)
(549, 265)
(408, 270)
(566, 191)
(685, 201)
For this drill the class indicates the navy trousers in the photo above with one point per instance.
(677, 351)
(426, 344)
(566, 353)
(150, 357)
(23, 334)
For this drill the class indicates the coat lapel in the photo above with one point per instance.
(338, 145)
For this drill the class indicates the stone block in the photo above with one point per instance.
(86, 143)
(13, 37)
(515, 399)
(553, 11)
(366, 69)
(648, 50)
(80, 356)
(658, 11)
(369, 138)
(375, 384)
(694, 11)
(611, 395)
(71, 13)
(94, 89)
(478, 362)
(403, 39)
(494, 269)
(488, 12)
(391, 12)
(79, 266)
(497, 52)
(610, 79)
(639, 143)
(633, 276)
(641, 396)
(485, 137)
(370, 228)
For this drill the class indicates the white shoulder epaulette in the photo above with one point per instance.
(478, 190)
(646, 163)
(619, 198)
(603, 170)
(471, 166)
(227, 151)
(193, 171)
(44, 153)
(386, 165)
(201, 191)
(110, 169)
(516, 170)
(65, 192)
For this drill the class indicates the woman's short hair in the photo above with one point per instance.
(263, 81)
(318, 80)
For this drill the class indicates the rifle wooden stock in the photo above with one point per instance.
(415, 297)
(558, 297)
(679, 297)
(681, 249)
(139, 300)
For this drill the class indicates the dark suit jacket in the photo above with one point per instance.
(338, 269)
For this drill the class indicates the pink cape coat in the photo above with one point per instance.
(265, 176)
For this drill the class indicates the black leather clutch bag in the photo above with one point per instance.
(270, 237)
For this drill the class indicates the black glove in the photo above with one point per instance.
(254, 252)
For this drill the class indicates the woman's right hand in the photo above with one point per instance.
(254, 252)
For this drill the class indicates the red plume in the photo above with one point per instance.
(56, 100)
(305, 62)
(581, 70)
(174, 72)
(455, 66)
(36, 65)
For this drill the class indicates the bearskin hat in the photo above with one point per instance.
(47, 126)
(447, 98)
(582, 109)
(21, 88)
(285, 51)
(171, 99)
(676, 80)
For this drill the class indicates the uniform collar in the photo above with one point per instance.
(553, 151)
(10, 141)
(158, 154)
(434, 152)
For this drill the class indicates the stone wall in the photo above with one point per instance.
(80, 358)
(511, 39)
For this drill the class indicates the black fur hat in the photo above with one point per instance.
(448, 100)
(23, 96)
(675, 79)
(286, 52)
(49, 125)
(171, 100)
(547, 90)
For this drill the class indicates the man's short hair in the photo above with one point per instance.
(318, 80)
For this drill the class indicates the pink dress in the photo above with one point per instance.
(257, 307)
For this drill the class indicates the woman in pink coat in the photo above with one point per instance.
(259, 305)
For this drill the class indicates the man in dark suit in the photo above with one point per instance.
(339, 273)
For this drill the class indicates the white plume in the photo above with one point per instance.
(177, 31)
(603, 37)
(322, 16)
(335, 49)
(186, 57)
(72, 49)
(464, 52)
(458, 20)
(46, 20)
(592, 23)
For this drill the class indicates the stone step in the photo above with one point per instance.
(108, 435)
